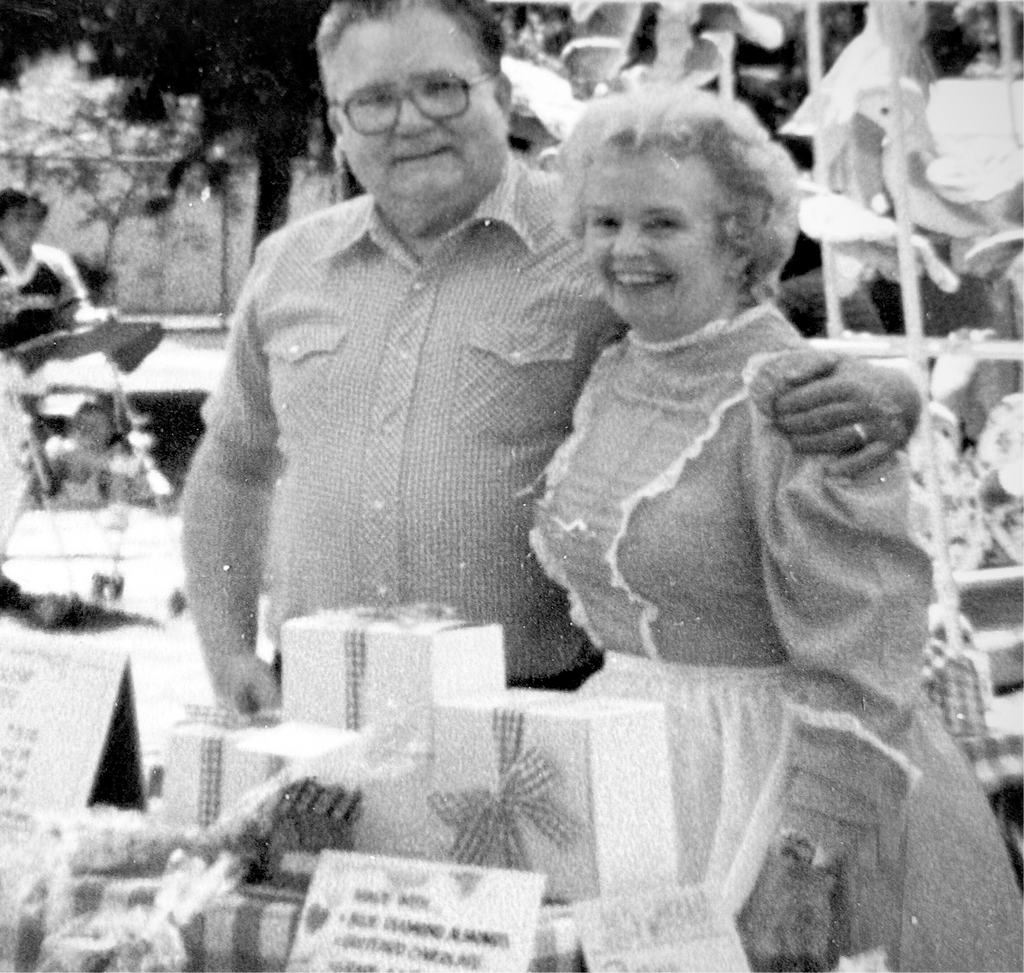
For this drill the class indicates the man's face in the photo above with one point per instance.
(19, 229)
(426, 176)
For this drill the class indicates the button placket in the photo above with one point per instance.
(381, 540)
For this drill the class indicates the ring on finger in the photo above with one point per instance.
(861, 433)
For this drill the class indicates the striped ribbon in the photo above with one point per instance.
(211, 774)
(354, 649)
(217, 716)
(489, 825)
(417, 613)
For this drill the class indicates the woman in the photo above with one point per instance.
(774, 603)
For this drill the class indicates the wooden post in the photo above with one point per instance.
(815, 72)
(945, 585)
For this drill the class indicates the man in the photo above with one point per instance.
(40, 291)
(40, 287)
(402, 366)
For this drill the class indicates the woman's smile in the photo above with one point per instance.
(652, 235)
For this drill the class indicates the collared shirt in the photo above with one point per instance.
(414, 406)
(31, 294)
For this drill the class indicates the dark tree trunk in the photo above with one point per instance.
(273, 187)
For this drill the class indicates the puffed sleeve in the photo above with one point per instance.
(848, 586)
(239, 415)
(849, 591)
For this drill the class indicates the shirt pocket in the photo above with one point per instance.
(294, 344)
(304, 360)
(520, 379)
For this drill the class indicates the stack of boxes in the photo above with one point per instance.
(411, 708)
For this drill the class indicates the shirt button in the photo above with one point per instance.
(378, 505)
(418, 285)
(382, 590)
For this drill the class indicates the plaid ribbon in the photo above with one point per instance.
(951, 681)
(410, 615)
(354, 649)
(216, 716)
(489, 825)
(211, 774)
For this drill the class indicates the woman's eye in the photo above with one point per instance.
(603, 223)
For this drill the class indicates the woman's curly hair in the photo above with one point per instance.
(757, 175)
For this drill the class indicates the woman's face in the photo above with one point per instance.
(651, 234)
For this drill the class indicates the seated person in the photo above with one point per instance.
(93, 465)
(40, 287)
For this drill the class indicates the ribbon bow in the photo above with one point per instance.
(488, 825)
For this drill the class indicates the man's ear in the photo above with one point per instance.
(503, 92)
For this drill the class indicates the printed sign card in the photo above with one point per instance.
(69, 734)
(375, 913)
(675, 928)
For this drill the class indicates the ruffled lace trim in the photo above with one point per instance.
(848, 723)
(553, 567)
(662, 483)
(709, 331)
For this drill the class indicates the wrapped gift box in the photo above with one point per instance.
(357, 668)
(194, 765)
(579, 788)
(251, 757)
(253, 930)
(395, 781)
(88, 895)
(396, 819)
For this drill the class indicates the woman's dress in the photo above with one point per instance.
(746, 587)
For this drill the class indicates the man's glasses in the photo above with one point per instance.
(374, 110)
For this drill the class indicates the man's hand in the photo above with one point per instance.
(244, 683)
(825, 402)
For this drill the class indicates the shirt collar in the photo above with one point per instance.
(19, 276)
(507, 203)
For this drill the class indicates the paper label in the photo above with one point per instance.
(675, 929)
(68, 732)
(373, 913)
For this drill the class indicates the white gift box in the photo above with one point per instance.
(194, 764)
(359, 668)
(579, 788)
(252, 757)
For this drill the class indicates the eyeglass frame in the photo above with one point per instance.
(406, 93)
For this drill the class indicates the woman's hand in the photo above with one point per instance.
(794, 918)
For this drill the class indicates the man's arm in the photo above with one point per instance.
(224, 525)
(843, 405)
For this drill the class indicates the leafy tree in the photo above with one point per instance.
(73, 128)
(29, 28)
(251, 63)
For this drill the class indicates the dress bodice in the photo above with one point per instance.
(686, 528)
(648, 514)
